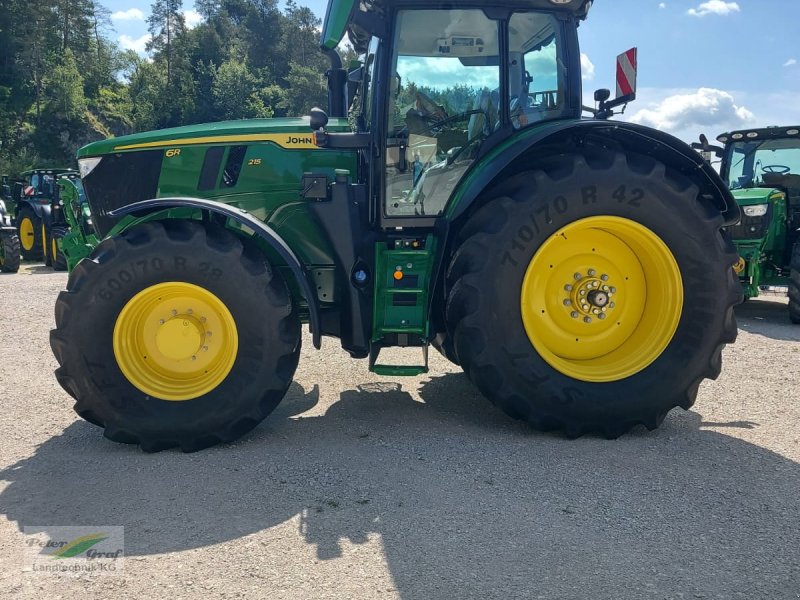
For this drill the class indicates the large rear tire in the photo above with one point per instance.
(9, 253)
(794, 285)
(593, 295)
(175, 334)
(29, 229)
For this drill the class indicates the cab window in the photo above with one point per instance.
(444, 102)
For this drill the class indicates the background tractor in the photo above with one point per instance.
(576, 269)
(32, 198)
(762, 168)
(9, 241)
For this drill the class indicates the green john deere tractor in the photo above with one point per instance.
(33, 197)
(576, 269)
(9, 240)
(762, 167)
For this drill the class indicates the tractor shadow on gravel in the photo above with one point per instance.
(769, 317)
(468, 504)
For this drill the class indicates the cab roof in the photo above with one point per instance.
(342, 13)
(763, 133)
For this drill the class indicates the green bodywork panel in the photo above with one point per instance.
(278, 153)
(764, 256)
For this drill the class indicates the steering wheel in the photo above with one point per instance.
(434, 123)
(776, 169)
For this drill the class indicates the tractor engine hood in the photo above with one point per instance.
(752, 196)
(292, 133)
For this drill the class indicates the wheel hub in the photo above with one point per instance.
(589, 296)
(175, 341)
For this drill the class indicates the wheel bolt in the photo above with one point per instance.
(174, 312)
(578, 276)
(203, 319)
(188, 311)
(583, 292)
(612, 305)
(205, 348)
(604, 277)
(605, 288)
(596, 311)
(574, 314)
(567, 302)
(587, 319)
(208, 334)
(194, 358)
(161, 321)
(601, 316)
(568, 287)
(613, 290)
(592, 272)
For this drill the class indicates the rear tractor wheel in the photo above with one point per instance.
(175, 334)
(29, 229)
(794, 285)
(593, 296)
(9, 253)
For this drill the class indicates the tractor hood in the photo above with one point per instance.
(288, 133)
(751, 196)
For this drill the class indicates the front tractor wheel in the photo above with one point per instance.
(794, 285)
(57, 258)
(9, 253)
(175, 334)
(593, 296)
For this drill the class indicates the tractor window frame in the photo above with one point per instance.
(385, 108)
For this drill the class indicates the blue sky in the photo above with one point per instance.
(705, 66)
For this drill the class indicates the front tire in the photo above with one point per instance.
(631, 236)
(794, 285)
(9, 253)
(57, 258)
(175, 334)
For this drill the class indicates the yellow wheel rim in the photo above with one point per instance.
(55, 248)
(739, 266)
(175, 341)
(602, 299)
(44, 242)
(26, 234)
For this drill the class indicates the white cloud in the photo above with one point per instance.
(193, 18)
(662, 5)
(138, 44)
(705, 109)
(790, 63)
(132, 14)
(715, 7)
(587, 67)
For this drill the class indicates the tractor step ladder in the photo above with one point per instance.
(401, 302)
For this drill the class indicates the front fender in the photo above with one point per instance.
(261, 229)
(563, 135)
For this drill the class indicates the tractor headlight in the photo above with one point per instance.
(757, 210)
(87, 165)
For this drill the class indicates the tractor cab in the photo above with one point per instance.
(442, 86)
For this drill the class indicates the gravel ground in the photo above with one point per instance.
(358, 487)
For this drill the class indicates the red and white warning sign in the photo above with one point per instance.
(626, 73)
(29, 190)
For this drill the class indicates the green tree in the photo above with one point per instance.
(306, 91)
(235, 91)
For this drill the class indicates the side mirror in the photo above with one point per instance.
(319, 119)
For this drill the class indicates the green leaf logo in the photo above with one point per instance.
(79, 545)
